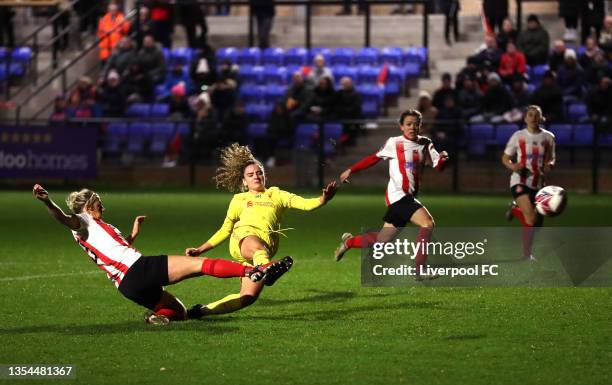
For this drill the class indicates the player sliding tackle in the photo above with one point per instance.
(407, 155)
(139, 278)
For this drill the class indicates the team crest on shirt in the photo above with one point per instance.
(250, 204)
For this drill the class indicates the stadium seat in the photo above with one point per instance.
(259, 112)
(160, 110)
(274, 56)
(538, 73)
(257, 130)
(274, 93)
(138, 135)
(605, 140)
(251, 74)
(370, 109)
(391, 55)
(3, 54)
(412, 70)
(21, 55)
(481, 132)
(275, 75)
(343, 56)
(342, 71)
(249, 56)
(503, 132)
(305, 136)
(368, 75)
(326, 52)
(296, 56)
(115, 137)
(332, 136)
(563, 133)
(577, 112)
(138, 110)
(181, 56)
(251, 93)
(415, 55)
(395, 80)
(227, 53)
(582, 135)
(367, 56)
(372, 92)
(161, 135)
(183, 129)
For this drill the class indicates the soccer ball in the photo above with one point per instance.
(551, 200)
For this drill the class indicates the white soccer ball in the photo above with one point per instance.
(550, 201)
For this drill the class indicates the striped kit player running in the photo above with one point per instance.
(530, 155)
(407, 155)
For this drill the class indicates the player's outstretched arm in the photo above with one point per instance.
(70, 221)
(363, 164)
(135, 229)
(329, 192)
(196, 251)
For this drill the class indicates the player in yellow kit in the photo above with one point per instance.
(252, 222)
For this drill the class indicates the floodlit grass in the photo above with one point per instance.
(317, 325)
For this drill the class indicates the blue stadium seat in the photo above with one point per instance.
(563, 133)
(577, 112)
(22, 55)
(166, 52)
(3, 54)
(370, 109)
(139, 133)
(305, 135)
(342, 71)
(412, 70)
(17, 70)
(296, 56)
(583, 135)
(332, 137)
(343, 56)
(395, 80)
(371, 92)
(251, 74)
(481, 132)
(251, 93)
(274, 93)
(138, 110)
(183, 129)
(259, 112)
(275, 75)
(391, 55)
(181, 56)
(367, 56)
(160, 110)
(249, 56)
(415, 55)
(537, 73)
(503, 132)
(257, 130)
(326, 52)
(275, 56)
(605, 140)
(161, 135)
(227, 53)
(115, 137)
(367, 75)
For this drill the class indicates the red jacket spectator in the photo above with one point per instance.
(512, 62)
(111, 28)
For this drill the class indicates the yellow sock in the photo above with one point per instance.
(260, 257)
(228, 304)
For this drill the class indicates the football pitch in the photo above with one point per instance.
(316, 325)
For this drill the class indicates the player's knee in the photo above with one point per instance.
(247, 300)
(428, 224)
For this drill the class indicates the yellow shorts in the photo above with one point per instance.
(239, 233)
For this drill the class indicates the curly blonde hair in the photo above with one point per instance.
(78, 201)
(234, 159)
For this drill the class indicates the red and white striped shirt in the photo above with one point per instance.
(106, 246)
(533, 151)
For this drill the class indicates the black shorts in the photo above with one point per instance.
(400, 212)
(521, 189)
(144, 281)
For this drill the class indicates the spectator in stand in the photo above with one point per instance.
(512, 63)
(203, 70)
(6, 27)
(496, 11)
(60, 112)
(605, 39)
(346, 8)
(146, 24)
(506, 34)
(178, 75)
(592, 16)
(112, 28)
(112, 97)
(86, 91)
(152, 60)
(447, 124)
(223, 95)
(207, 134)
(571, 77)
(469, 99)
(348, 107)
(520, 94)
(496, 101)
(279, 130)
(88, 12)
(121, 57)
(598, 69)
(599, 100)
(557, 55)
(489, 53)
(235, 125)
(446, 89)
(549, 97)
(428, 112)
(161, 21)
(264, 14)
(319, 71)
(569, 10)
(298, 98)
(324, 100)
(590, 50)
(483, 77)
(179, 106)
(534, 42)
(138, 84)
(469, 71)
(450, 9)
(227, 70)
(191, 16)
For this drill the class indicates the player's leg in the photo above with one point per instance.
(529, 217)
(168, 308)
(254, 250)
(181, 267)
(425, 222)
(365, 240)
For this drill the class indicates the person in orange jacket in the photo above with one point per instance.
(111, 28)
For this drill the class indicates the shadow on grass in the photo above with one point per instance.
(323, 296)
(465, 337)
(208, 326)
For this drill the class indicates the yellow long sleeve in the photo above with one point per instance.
(294, 201)
(233, 214)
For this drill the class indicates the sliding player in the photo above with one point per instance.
(407, 155)
(534, 148)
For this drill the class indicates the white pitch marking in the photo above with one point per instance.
(27, 277)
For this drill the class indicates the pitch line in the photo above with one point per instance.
(28, 277)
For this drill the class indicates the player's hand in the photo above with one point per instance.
(139, 219)
(40, 193)
(548, 166)
(329, 191)
(517, 167)
(345, 175)
(193, 252)
(444, 156)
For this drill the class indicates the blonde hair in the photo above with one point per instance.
(78, 201)
(234, 159)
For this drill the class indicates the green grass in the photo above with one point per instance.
(317, 325)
